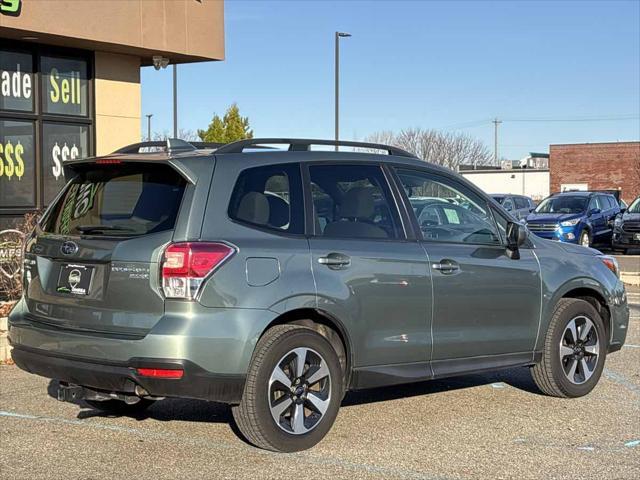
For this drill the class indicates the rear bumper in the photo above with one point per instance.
(213, 345)
(123, 378)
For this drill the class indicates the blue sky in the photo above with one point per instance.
(450, 65)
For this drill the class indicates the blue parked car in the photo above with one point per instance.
(585, 218)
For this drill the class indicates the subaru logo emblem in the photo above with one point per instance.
(69, 248)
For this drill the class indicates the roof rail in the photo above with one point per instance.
(303, 145)
(171, 145)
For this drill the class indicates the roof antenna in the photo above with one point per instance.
(175, 145)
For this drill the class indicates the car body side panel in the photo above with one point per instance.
(383, 297)
(490, 306)
(189, 223)
(563, 273)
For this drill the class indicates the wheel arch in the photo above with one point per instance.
(597, 300)
(326, 325)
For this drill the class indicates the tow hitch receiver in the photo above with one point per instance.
(74, 393)
(70, 393)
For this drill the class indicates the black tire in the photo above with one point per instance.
(584, 233)
(549, 374)
(119, 407)
(254, 417)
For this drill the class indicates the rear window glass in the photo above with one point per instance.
(269, 197)
(118, 200)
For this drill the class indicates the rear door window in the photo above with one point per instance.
(118, 200)
(507, 204)
(521, 203)
(353, 201)
(269, 197)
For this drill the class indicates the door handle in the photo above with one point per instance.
(446, 266)
(335, 260)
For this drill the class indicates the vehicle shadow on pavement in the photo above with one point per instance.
(202, 411)
(162, 410)
(519, 378)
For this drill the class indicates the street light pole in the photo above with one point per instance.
(337, 85)
(175, 101)
(149, 115)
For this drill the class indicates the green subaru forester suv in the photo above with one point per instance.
(276, 280)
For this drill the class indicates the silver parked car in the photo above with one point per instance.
(517, 205)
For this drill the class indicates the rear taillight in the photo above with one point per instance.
(186, 265)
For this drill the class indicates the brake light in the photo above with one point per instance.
(108, 161)
(160, 372)
(186, 265)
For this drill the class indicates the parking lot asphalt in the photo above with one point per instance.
(489, 426)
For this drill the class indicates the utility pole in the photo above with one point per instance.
(337, 83)
(496, 122)
(149, 115)
(175, 101)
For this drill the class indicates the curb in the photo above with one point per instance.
(5, 348)
(630, 278)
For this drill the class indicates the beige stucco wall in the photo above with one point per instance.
(182, 30)
(117, 101)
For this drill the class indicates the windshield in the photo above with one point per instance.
(499, 199)
(563, 204)
(635, 206)
(118, 200)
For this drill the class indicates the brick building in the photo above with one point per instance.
(596, 166)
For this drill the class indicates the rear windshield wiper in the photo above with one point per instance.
(102, 228)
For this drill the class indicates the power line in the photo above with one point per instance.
(608, 118)
(488, 121)
(462, 125)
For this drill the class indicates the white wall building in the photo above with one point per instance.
(530, 182)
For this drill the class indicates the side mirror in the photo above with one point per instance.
(622, 210)
(516, 236)
(594, 211)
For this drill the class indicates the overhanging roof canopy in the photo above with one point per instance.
(181, 30)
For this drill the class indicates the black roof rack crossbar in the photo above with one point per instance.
(304, 145)
(170, 145)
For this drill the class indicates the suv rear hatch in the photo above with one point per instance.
(92, 264)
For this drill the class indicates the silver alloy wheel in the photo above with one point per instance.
(579, 349)
(584, 239)
(299, 391)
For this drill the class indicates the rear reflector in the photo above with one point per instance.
(186, 265)
(160, 372)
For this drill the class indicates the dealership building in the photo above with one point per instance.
(596, 166)
(70, 82)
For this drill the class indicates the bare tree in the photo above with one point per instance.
(183, 134)
(447, 149)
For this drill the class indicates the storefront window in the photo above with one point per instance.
(16, 81)
(17, 164)
(45, 121)
(64, 86)
(61, 143)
